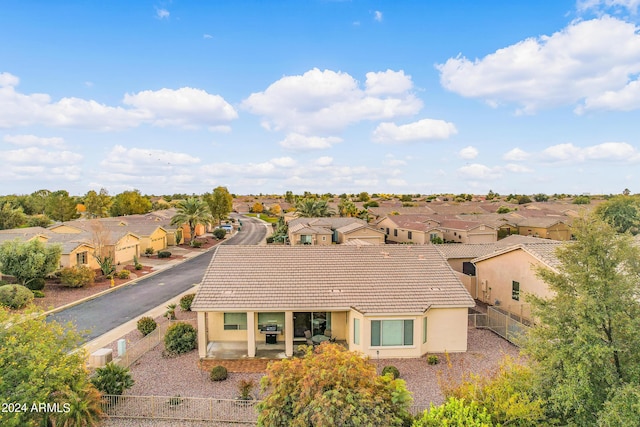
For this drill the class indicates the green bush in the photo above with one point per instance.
(270, 239)
(76, 277)
(218, 373)
(36, 284)
(185, 302)
(146, 325)
(138, 266)
(196, 244)
(38, 294)
(15, 296)
(149, 251)
(180, 338)
(164, 254)
(124, 274)
(112, 379)
(219, 233)
(391, 370)
(433, 360)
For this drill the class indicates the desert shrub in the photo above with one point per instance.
(503, 210)
(38, 293)
(112, 379)
(36, 284)
(433, 360)
(124, 274)
(138, 266)
(245, 387)
(219, 233)
(15, 296)
(146, 325)
(77, 277)
(454, 412)
(270, 239)
(391, 370)
(164, 254)
(149, 251)
(180, 338)
(218, 373)
(196, 244)
(185, 302)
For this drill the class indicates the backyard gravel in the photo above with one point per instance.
(160, 376)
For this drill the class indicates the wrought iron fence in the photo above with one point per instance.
(508, 325)
(181, 408)
(137, 350)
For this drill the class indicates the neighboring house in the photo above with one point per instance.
(410, 228)
(75, 251)
(506, 276)
(390, 302)
(545, 227)
(324, 231)
(460, 231)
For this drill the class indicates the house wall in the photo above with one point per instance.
(351, 345)
(446, 330)
(498, 273)
(487, 236)
(316, 239)
(469, 283)
(385, 352)
(558, 231)
(186, 232)
(70, 259)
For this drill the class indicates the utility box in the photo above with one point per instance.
(100, 357)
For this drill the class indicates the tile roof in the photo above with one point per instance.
(544, 251)
(465, 250)
(370, 279)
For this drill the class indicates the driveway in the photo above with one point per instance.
(109, 311)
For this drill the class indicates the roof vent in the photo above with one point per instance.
(420, 256)
(385, 254)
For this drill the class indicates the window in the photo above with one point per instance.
(515, 290)
(387, 231)
(410, 235)
(81, 258)
(305, 239)
(395, 232)
(356, 331)
(271, 319)
(324, 238)
(433, 236)
(391, 332)
(235, 321)
(424, 330)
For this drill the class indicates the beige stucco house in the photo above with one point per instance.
(410, 228)
(545, 227)
(506, 276)
(325, 231)
(400, 301)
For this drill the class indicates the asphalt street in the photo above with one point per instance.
(98, 316)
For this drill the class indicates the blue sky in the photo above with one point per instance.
(318, 95)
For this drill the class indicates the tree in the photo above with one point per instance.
(192, 212)
(331, 386)
(97, 204)
(582, 200)
(288, 197)
(622, 212)
(540, 197)
(102, 246)
(586, 345)
(364, 197)
(61, 207)
(313, 208)
(455, 412)
(275, 210)
(523, 199)
(257, 207)
(346, 207)
(220, 203)
(27, 261)
(37, 365)
(130, 203)
(38, 201)
(10, 216)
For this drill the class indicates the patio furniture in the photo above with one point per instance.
(318, 339)
(307, 335)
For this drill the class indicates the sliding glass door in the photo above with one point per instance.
(316, 322)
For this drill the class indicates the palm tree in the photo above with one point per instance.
(192, 211)
(83, 406)
(312, 208)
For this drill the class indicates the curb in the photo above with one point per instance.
(107, 291)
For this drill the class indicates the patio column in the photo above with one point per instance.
(203, 339)
(288, 333)
(251, 334)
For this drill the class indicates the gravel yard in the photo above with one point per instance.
(155, 375)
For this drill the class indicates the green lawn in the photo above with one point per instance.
(271, 219)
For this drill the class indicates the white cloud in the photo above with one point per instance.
(625, 99)
(422, 130)
(578, 64)
(324, 161)
(185, 107)
(26, 163)
(284, 162)
(511, 167)
(377, 16)
(296, 141)
(607, 151)
(328, 101)
(32, 140)
(516, 155)
(145, 162)
(39, 156)
(631, 5)
(468, 153)
(207, 36)
(162, 13)
(397, 182)
(388, 83)
(480, 172)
